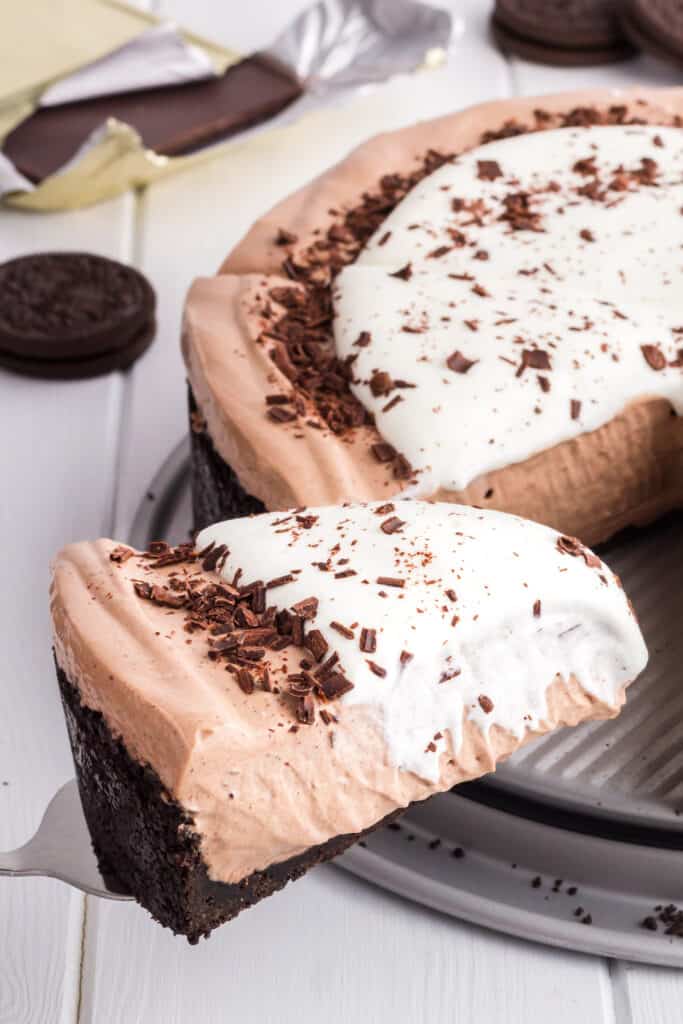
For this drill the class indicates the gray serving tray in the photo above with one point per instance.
(596, 809)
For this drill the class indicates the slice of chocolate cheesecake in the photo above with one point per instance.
(243, 709)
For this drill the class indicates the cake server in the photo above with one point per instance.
(61, 848)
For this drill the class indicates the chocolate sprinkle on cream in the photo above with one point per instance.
(121, 554)
(654, 357)
(404, 274)
(574, 547)
(488, 170)
(344, 630)
(486, 704)
(368, 640)
(391, 581)
(535, 358)
(459, 363)
(392, 525)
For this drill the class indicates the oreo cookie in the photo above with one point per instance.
(69, 315)
(655, 27)
(569, 33)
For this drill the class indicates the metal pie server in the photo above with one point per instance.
(61, 848)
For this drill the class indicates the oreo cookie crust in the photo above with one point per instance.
(216, 491)
(68, 315)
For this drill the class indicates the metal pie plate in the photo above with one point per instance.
(596, 808)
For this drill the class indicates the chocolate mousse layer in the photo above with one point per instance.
(289, 360)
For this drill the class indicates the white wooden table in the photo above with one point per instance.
(75, 461)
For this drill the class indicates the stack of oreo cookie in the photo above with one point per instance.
(71, 315)
(568, 33)
(655, 27)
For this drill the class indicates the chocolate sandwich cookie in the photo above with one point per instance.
(560, 32)
(655, 27)
(70, 315)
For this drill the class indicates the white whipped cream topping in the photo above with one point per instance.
(594, 283)
(482, 641)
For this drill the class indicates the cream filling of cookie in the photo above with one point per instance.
(519, 297)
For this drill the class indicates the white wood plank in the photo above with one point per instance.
(331, 948)
(56, 467)
(536, 79)
(655, 994)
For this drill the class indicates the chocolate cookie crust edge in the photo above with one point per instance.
(217, 493)
(145, 842)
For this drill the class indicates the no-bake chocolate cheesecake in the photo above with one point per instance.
(243, 709)
(485, 309)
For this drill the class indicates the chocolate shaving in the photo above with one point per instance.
(488, 170)
(281, 415)
(121, 553)
(245, 680)
(537, 608)
(486, 704)
(213, 556)
(381, 383)
(368, 640)
(343, 630)
(392, 525)
(572, 546)
(404, 274)
(535, 358)
(383, 452)
(376, 669)
(363, 339)
(391, 581)
(459, 363)
(654, 357)
(279, 581)
(440, 251)
(284, 237)
(394, 401)
(518, 213)
(307, 608)
(305, 710)
(334, 686)
(316, 643)
(575, 408)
